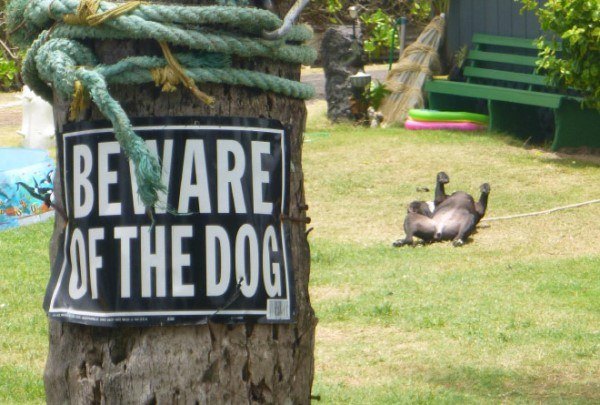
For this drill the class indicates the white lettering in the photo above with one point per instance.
(155, 261)
(217, 284)
(78, 279)
(125, 234)
(250, 279)
(83, 192)
(194, 159)
(180, 260)
(271, 273)
(106, 178)
(94, 235)
(260, 177)
(230, 179)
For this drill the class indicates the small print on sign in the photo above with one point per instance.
(217, 250)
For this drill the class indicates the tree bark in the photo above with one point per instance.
(213, 363)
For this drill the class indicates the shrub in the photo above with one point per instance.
(9, 74)
(380, 32)
(377, 92)
(9, 57)
(378, 18)
(570, 53)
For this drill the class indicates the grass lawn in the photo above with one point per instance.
(24, 272)
(513, 316)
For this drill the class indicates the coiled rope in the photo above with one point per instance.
(57, 62)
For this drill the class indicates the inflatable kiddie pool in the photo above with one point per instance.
(447, 125)
(26, 186)
(447, 116)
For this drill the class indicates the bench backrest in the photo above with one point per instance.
(506, 62)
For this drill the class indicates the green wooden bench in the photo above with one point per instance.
(501, 70)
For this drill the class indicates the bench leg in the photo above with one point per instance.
(448, 102)
(517, 119)
(576, 127)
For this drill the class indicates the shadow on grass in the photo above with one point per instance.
(575, 161)
(565, 157)
(500, 385)
(464, 385)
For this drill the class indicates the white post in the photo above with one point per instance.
(37, 125)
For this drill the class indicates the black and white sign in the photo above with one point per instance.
(217, 249)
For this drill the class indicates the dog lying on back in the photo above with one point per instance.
(454, 217)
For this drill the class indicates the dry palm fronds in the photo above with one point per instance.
(406, 79)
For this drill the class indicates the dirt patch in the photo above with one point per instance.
(10, 116)
(10, 119)
(10, 110)
(359, 337)
(587, 155)
(327, 292)
(8, 98)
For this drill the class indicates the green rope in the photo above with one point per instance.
(60, 58)
(29, 70)
(211, 42)
(39, 15)
(136, 70)
(56, 60)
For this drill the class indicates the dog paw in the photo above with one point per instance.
(399, 243)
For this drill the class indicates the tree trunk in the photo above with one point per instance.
(213, 363)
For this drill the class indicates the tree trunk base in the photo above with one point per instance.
(213, 363)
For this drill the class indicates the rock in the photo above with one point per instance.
(342, 56)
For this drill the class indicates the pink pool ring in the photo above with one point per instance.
(447, 125)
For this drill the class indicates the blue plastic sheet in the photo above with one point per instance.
(26, 184)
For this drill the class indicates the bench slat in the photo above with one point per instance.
(494, 74)
(512, 42)
(502, 58)
(527, 97)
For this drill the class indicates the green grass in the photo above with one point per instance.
(24, 273)
(513, 316)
